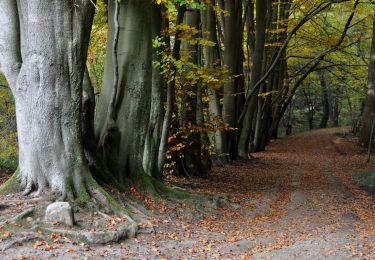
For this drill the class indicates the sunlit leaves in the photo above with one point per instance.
(98, 41)
(8, 136)
(191, 3)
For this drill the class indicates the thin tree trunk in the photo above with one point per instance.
(212, 56)
(232, 55)
(256, 73)
(154, 132)
(167, 121)
(192, 106)
(326, 106)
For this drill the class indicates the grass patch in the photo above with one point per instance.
(366, 179)
(9, 163)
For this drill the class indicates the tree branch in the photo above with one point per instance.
(321, 57)
(316, 10)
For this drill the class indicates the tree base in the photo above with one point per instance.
(12, 185)
(150, 186)
(95, 207)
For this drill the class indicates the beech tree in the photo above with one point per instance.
(67, 137)
(128, 136)
(43, 48)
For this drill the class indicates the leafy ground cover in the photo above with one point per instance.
(298, 200)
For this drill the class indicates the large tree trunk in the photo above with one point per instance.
(47, 89)
(369, 110)
(123, 112)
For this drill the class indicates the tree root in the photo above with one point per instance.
(18, 217)
(102, 237)
(22, 215)
(27, 237)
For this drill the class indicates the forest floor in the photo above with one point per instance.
(297, 201)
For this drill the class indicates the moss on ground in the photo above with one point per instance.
(156, 188)
(12, 185)
(366, 179)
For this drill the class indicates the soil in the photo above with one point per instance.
(296, 201)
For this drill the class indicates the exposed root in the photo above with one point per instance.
(101, 237)
(104, 215)
(22, 200)
(27, 237)
(28, 189)
(18, 217)
(96, 207)
(22, 215)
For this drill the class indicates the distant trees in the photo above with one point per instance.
(368, 118)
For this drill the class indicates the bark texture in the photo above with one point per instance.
(123, 134)
(47, 88)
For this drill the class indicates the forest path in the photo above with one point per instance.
(296, 202)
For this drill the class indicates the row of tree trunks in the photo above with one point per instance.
(55, 103)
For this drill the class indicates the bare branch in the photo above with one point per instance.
(314, 11)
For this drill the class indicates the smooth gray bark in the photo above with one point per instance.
(47, 88)
(211, 57)
(154, 131)
(123, 143)
(10, 43)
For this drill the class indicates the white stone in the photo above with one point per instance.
(61, 212)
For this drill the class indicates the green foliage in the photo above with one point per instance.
(98, 45)
(187, 75)
(345, 69)
(194, 4)
(8, 136)
(366, 179)
(11, 185)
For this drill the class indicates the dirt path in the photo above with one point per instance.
(296, 202)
